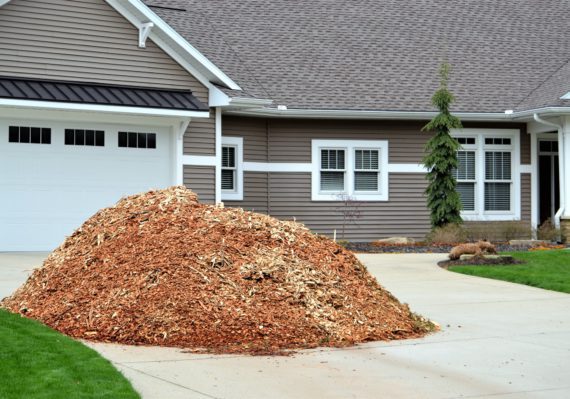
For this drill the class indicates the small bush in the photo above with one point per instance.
(516, 230)
(448, 234)
(498, 231)
(548, 232)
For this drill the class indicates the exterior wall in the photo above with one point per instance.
(83, 40)
(200, 179)
(287, 195)
(200, 136)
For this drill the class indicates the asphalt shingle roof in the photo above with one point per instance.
(384, 55)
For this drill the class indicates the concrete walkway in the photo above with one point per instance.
(498, 340)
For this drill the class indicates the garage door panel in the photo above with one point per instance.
(48, 190)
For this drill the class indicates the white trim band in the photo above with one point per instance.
(115, 109)
(277, 167)
(406, 168)
(199, 160)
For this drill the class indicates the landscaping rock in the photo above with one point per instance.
(161, 269)
(396, 241)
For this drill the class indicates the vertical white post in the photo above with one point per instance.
(179, 152)
(564, 164)
(218, 182)
(534, 181)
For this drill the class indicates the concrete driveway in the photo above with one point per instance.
(498, 340)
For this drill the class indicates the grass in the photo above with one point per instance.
(544, 269)
(38, 362)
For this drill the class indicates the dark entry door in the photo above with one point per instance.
(549, 183)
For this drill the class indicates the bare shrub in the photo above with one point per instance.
(448, 234)
(548, 232)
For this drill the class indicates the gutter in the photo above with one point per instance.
(387, 115)
(561, 164)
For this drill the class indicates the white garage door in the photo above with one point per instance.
(54, 176)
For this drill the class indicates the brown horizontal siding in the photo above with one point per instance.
(200, 179)
(200, 136)
(255, 193)
(254, 133)
(87, 41)
(526, 198)
(405, 214)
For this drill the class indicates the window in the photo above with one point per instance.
(137, 140)
(465, 176)
(232, 169)
(93, 138)
(332, 170)
(366, 170)
(498, 181)
(357, 168)
(229, 168)
(31, 135)
(487, 180)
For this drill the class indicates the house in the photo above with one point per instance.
(296, 109)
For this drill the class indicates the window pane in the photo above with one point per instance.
(89, 137)
(123, 139)
(332, 159)
(332, 181)
(151, 140)
(100, 138)
(366, 181)
(35, 136)
(466, 168)
(14, 135)
(69, 137)
(46, 135)
(132, 140)
(366, 159)
(80, 137)
(497, 165)
(228, 157)
(24, 135)
(497, 196)
(228, 179)
(467, 194)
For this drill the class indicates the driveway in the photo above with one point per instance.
(498, 340)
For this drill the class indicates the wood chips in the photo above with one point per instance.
(161, 269)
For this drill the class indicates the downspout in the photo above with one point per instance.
(561, 165)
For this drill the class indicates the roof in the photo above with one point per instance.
(383, 55)
(87, 93)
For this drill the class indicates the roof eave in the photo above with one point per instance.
(394, 115)
(136, 12)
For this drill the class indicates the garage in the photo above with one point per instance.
(55, 175)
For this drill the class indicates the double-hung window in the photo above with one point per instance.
(232, 169)
(487, 181)
(354, 168)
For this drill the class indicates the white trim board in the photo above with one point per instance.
(199, 160)
(114, 109)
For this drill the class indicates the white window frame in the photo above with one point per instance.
(476, 183)
(349, 146)
(480, 147)
(237, 193)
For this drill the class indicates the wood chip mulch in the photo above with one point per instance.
(162, 269)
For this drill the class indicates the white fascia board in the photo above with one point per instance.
(218, 98)
(136, 8)
(114, 109)
(565, 96)
(3, 2)
(395, 115)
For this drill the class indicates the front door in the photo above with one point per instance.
(549, 183)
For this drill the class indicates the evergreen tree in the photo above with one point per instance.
(441, 159)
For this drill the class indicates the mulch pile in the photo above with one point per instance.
(161, 269)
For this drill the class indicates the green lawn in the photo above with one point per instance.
(37, 362)
(544, 269)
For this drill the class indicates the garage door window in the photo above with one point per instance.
(94, 138)
(137, 140)
(31, 135)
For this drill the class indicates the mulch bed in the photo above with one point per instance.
(161, 269)
(477, 261)
(372, 247)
